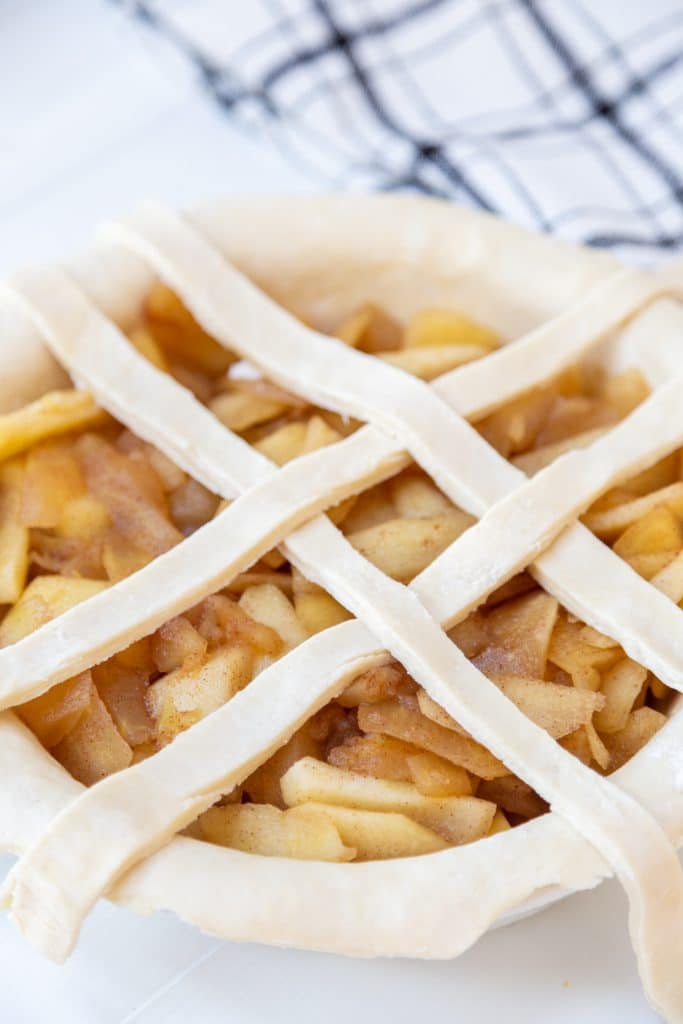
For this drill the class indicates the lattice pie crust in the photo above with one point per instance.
(324, 258)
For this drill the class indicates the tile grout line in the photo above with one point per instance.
(136, 1014)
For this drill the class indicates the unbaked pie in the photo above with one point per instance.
(340, 539)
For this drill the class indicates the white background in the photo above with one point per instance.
(93, 118)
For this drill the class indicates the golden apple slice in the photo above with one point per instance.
(430, 361)
(94, 748)
(446, 327)
(181, 698)
(520, 633)
(499, 824)
(52, 478)
(149, 347)
(610, 522)
(55, 713)
(44, 599)
(14, 548)
(268, 605)
(378, 835)
(416, 497)
(191, 505)
(179, 334)
(82, 518)
(263, 785)
(558, 709)
(315, 609)
(571, 651)
(370, 329)
(372, 507)
(382, 757)
(457, 819)
(377, 684)
(621, 686)
(640, 727)
(239, 411)
(599, 751)
(123, 691)
(131, 492)
(663, 473)
(405, 722)
(57, 412)
(270, 832)
(515, 427)
(538, 458)
(658, 530)
(435, 776)
(402, 548)
(513, 795)
(177, 643)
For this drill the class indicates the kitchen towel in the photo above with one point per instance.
(565, 115)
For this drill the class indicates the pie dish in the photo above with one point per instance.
(340, 537)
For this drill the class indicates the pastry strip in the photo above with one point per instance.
(519, 527)
(80, 336)
(258, 329)
(200, 565)
(543, 353)
(329, 373)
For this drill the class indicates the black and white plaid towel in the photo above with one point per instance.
(562, 114)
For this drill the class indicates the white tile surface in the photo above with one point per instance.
(94, 117)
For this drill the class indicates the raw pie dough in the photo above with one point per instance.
(434, 905)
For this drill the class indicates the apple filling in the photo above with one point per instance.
(382, 770)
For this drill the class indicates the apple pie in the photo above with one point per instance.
(341, 564)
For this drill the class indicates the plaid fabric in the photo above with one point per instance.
(564, 116)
